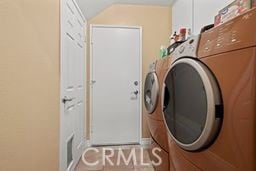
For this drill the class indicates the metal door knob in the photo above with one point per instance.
(93, 82)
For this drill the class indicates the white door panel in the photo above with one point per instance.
(115, 69)
(72, 131)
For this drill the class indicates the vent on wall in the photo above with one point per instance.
(70, 152)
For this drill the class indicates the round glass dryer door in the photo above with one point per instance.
(192, 104)
(151, 92)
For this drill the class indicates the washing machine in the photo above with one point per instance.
(209, 98)
(152, 101)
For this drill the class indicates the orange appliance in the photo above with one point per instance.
(152, 96)
(210, 99)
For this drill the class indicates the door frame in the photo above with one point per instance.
(140, 74)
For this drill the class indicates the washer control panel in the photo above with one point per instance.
(187, 49)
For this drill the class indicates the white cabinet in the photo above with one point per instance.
(196, 14)
(182, 14)
(205, 11)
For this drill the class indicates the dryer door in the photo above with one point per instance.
(192, 104)
(151, 92)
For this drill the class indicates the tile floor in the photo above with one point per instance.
(141, 162)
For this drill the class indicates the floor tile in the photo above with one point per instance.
(141, 154)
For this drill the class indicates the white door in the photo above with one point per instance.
(72, 133)
(115, 85)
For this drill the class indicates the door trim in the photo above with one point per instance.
(140, 74)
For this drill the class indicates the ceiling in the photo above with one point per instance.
(90, 8)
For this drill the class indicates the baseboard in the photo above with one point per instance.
(144, 142)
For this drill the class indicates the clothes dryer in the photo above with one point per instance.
(209, 98)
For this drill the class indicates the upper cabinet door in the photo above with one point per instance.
(205, 12)
(195, 14)
(182, 14)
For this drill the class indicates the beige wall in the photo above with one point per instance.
(156, 24)
(29, 85)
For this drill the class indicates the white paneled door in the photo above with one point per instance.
(72, 123)
(115, 85)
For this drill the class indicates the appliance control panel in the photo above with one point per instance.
(225, 36)
(237, 33)
(187, 49)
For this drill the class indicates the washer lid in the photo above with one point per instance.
(151, 92)
(192, 104)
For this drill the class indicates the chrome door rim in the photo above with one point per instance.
(212, 123)
(156, 94)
